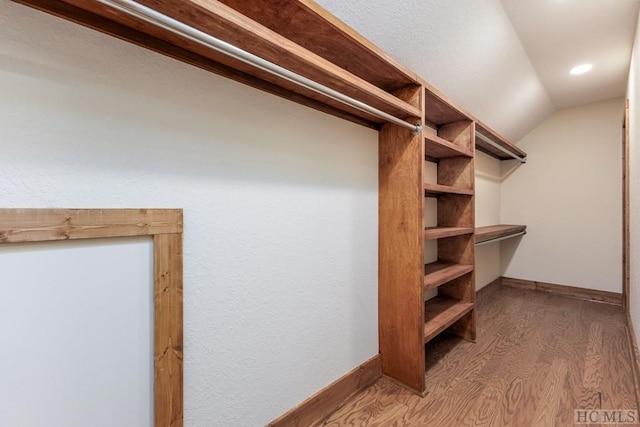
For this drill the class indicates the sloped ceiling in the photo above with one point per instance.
(559, 34)
(472, 51)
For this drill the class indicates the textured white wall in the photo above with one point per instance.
(569, 195)
(488, 200)
(280, 204)
(633, 94)
(467, 49)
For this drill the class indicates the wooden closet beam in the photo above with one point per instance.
(104, 25)
(220, 21)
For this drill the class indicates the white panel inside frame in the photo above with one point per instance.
(77, 324)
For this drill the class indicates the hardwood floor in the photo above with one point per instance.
(537, 358)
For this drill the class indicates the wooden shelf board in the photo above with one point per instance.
(434, 190)
(432, 233)
(221, 21)
(440, 272)
(439, 148)
(442, 312)
(314, 28)
(439, 110)
(498, 139)
(490, 232)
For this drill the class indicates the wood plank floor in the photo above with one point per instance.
(537, 358)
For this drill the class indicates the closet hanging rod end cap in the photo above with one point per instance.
(417, 130)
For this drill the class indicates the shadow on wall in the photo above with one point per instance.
(508, 250)
(507, 167)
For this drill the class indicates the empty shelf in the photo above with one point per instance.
(439, 148)
(441, 272)
(439, 110)
(435, 190)
(495, 232)
(431, 233)
(441, 312)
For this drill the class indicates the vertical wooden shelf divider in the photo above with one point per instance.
(401, 265)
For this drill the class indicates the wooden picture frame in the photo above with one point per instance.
(165, 226)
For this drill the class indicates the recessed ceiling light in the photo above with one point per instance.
(580, 69)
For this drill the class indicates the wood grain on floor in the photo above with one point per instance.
(537, 357)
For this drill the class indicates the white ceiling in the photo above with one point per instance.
(559, 34)
(506, 61)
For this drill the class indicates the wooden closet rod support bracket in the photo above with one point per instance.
(167, 23)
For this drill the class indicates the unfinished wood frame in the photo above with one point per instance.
(165, 226)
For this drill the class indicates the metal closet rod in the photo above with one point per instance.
(176, 27)
(499, 147)
(497, 239)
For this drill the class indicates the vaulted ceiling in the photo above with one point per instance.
(506, 61)
(560, 34)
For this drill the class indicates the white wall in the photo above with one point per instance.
(488, 202)
(569, 195)
(467, 49)
(280, 204)
(84, 364)
(633, 94)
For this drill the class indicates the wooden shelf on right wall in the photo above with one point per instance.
(495, 232)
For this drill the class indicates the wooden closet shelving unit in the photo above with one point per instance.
(302, 37)
(407, 319)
